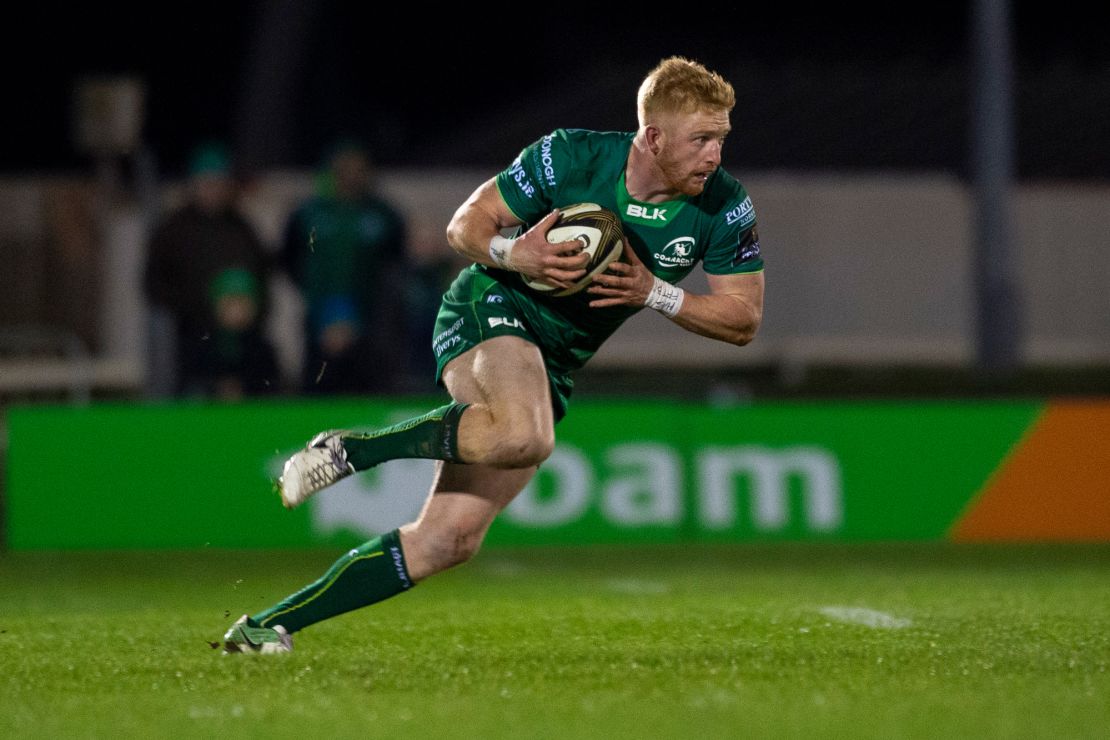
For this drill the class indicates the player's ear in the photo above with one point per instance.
(653, 135)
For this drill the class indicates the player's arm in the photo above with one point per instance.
(731, 311)
(475, 233)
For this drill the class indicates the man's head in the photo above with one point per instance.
(349, 169)
(210, 178)
(683, 110)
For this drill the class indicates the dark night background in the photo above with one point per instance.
(851, 88)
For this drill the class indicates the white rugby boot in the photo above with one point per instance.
(322, 462)
(244, 638)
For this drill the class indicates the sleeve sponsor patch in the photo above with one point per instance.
(520, 177)
(742, 215)
(543, 165)
(747, 247)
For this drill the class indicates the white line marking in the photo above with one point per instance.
(636, 586)
(865, 617)
(505, 568)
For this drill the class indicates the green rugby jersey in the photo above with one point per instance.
(716, 228)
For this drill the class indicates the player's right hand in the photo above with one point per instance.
(559, 264)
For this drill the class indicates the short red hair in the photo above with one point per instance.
(679, 85)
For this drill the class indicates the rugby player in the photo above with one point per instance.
(506, 352)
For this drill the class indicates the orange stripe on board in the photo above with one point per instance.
(1055, 485)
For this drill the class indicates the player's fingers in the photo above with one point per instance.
(571, 262)
(619, 268)
(545, 223)
(564, 275)
(604, 302)
(559, 280)
(579, 258)
(574, 245)
(612, 281)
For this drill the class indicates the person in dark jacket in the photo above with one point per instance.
(345, 249)
(188, 252)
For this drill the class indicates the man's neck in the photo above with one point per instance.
(642, 176)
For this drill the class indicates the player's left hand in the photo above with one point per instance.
(623, 283)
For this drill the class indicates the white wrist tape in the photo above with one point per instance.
(665, 298)
(501, 251)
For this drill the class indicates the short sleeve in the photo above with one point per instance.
(530, 184)
(734, 245)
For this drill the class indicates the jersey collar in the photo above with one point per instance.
(656, 215)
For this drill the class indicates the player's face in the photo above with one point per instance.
(691, 148)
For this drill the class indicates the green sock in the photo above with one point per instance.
(372, 572)
(435, 435)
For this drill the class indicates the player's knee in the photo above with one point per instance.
(524, 448)
(518, 436)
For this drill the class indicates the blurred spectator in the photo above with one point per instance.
(237, 360)
(433, 267)
(207, 268)
(345, 250)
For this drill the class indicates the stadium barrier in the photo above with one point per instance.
(186, 476)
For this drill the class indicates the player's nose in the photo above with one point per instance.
(713, 153)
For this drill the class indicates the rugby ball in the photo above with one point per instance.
(597, 229)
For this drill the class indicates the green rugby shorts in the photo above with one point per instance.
(477, 307)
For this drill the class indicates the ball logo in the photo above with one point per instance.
(583, 239)
(676, 253)
(598, 233)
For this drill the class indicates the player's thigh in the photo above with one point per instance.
(501, 369)
(507, 377)
(505, 374)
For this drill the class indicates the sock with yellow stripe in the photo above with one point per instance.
(434, 436)
(372, 572)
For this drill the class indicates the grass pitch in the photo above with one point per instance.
(873, 641)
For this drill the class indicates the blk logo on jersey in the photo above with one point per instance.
(676, 253)
(647, 213)
(496, 321)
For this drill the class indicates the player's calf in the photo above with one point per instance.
(441, 550)
(332, 456)
(446, 535)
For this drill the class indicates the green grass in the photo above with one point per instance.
(600, 642)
